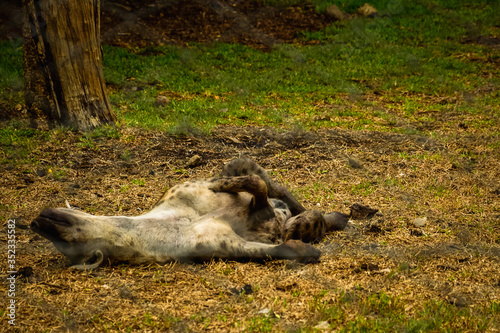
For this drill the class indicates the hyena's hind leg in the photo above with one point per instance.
(260, 209)
(224, 243)
(246, 166)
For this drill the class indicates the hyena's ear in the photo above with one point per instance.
(246, 166)
(99, 258)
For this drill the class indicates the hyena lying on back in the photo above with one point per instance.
(242, 214)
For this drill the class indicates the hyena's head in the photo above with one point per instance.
(83, 238)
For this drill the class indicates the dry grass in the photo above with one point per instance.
(375, 272)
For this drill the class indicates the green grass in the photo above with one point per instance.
(233, 84)
(406, 54)
(381, 312)
(11, 72)
(17, 142)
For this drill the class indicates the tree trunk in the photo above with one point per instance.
(62, 64)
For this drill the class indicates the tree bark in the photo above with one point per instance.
(63, 66)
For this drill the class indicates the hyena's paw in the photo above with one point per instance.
(308, 226)
(335, 221)
(302, 252)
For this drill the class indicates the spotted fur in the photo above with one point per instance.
(242, 214)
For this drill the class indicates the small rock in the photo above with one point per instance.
(41, 172)
(359, 212)
(194, 161)
(334, 12)
(264, 311)
(162, 100)
(420, 222)
(369, 267)
(322, 325)
(367, 10)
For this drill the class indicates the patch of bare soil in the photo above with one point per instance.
(154, 22)
(454, 256)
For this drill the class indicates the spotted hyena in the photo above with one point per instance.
(242, 214)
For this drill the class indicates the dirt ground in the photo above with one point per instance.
(454, 258)
(155, 22)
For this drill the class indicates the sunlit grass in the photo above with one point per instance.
(419, 69)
